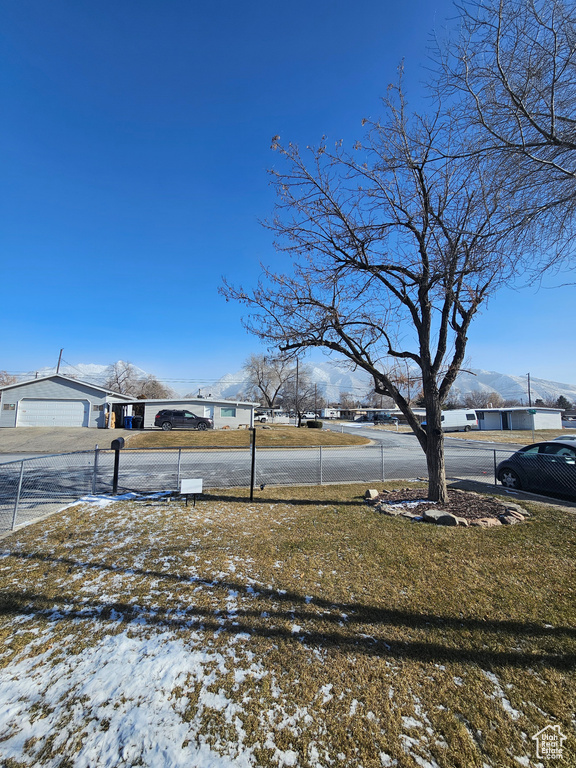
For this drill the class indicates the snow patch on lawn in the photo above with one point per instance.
(126, 696)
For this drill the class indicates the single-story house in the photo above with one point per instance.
(61, 401)
(519, 417)
(224, 413)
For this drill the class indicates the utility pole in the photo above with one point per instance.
(529, 392)
(59, 360)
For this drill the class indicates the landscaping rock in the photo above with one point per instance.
(510, 519)
(462, 508)
(386, 509)
(447, 519)
(433, 515)
(516, 511)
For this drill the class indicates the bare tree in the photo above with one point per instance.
(267, 376)
(374, 400)
(6, 379)
(394, 249)
(483, 400)
(300, 395)
(512, 69)
(149, 388)
(348, 401)
(124, 378)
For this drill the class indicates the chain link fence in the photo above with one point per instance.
(31, 488)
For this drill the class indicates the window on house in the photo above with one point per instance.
(9, 406)
(229, 413)
(96, 407)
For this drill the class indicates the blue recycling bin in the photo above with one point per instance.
(128, 422)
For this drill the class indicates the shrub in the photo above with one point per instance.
(314, 424)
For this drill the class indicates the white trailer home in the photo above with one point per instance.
(520, 417)
(329, 413)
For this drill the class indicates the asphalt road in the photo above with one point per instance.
(59, 479)
(392, 439)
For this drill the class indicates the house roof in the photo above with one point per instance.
(196, 400)
(538, 408)
(70, 379)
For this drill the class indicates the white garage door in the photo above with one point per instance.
(53, 413)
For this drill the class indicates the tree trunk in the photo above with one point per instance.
(437, 489)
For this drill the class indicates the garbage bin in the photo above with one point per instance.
(137, 422)
(127, 422)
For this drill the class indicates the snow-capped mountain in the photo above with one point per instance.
(511, 387)
(333, 379)
(89, 372)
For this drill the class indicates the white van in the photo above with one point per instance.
(458, 421)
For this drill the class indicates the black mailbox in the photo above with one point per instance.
(117, 444)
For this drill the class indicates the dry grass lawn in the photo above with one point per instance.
(299, 630)
(520, 436)
(273, 436)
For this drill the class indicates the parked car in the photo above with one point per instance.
(168, 419)
(385, 418)
(549, 467)
(571, 438)
(261, 416)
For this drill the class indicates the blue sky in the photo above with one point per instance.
(135, 138)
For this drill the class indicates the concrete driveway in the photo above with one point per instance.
(32, 440)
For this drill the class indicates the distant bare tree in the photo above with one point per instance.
(512, 67)
(394, 249)
(348, 401)
(374, 400)
(6, 379)
(546, 402)
(299, 394)
(149, 388)
(453, 403)
(483, 400)
(124, 378)
(267, 376)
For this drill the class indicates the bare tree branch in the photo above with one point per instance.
(394, 247)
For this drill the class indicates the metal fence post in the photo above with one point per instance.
(178, 471)
(495, 465)
(321, 467)
(382, 460)
(17, 500)
(253, 463)
(95, 473)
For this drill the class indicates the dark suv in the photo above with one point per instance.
(385, 418)
(182, 419)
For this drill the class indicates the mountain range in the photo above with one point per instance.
(332, 380)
